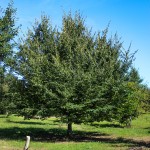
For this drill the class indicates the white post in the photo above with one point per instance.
(27, 143)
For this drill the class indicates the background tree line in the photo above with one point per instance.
(69, 73)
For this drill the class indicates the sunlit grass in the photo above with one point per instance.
(50, 134)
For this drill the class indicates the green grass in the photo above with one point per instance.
(50, 134)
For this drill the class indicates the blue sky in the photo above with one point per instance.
(129, 18)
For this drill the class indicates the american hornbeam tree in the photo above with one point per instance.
(71, 73)
(8, 31)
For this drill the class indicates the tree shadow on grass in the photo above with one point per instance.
(41, 134)
(148, 128)
(2, 116)
(37, 134)
(27, 123)
(31, 123)
(60, 135)
(106, 125)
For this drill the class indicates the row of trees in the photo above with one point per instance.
(70, 73)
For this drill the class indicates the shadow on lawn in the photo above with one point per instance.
(148, 128)
(27, 123)
(106, 125)
(41, 134)
(59, 135)
(31, 123)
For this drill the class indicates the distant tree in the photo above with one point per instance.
(145, 99)
(133, 98)
(8, 31)
(134, 76)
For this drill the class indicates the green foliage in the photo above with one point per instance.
(76, 75)
(7, 33)
(70, 73)
(34, 63)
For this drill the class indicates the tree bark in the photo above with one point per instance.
(69, 130)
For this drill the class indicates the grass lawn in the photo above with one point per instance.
(50, 134)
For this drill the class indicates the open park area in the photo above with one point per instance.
(50, 134)
(69, 83)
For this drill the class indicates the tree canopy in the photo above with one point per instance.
(8, 31)
(71, 73)
(75, 74)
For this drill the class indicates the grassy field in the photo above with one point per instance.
(50, 134)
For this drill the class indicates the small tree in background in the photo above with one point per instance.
(8, 31)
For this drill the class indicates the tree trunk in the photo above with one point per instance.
(69, 130)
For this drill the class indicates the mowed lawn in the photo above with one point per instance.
(50, 134)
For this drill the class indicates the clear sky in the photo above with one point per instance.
(129, 18)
